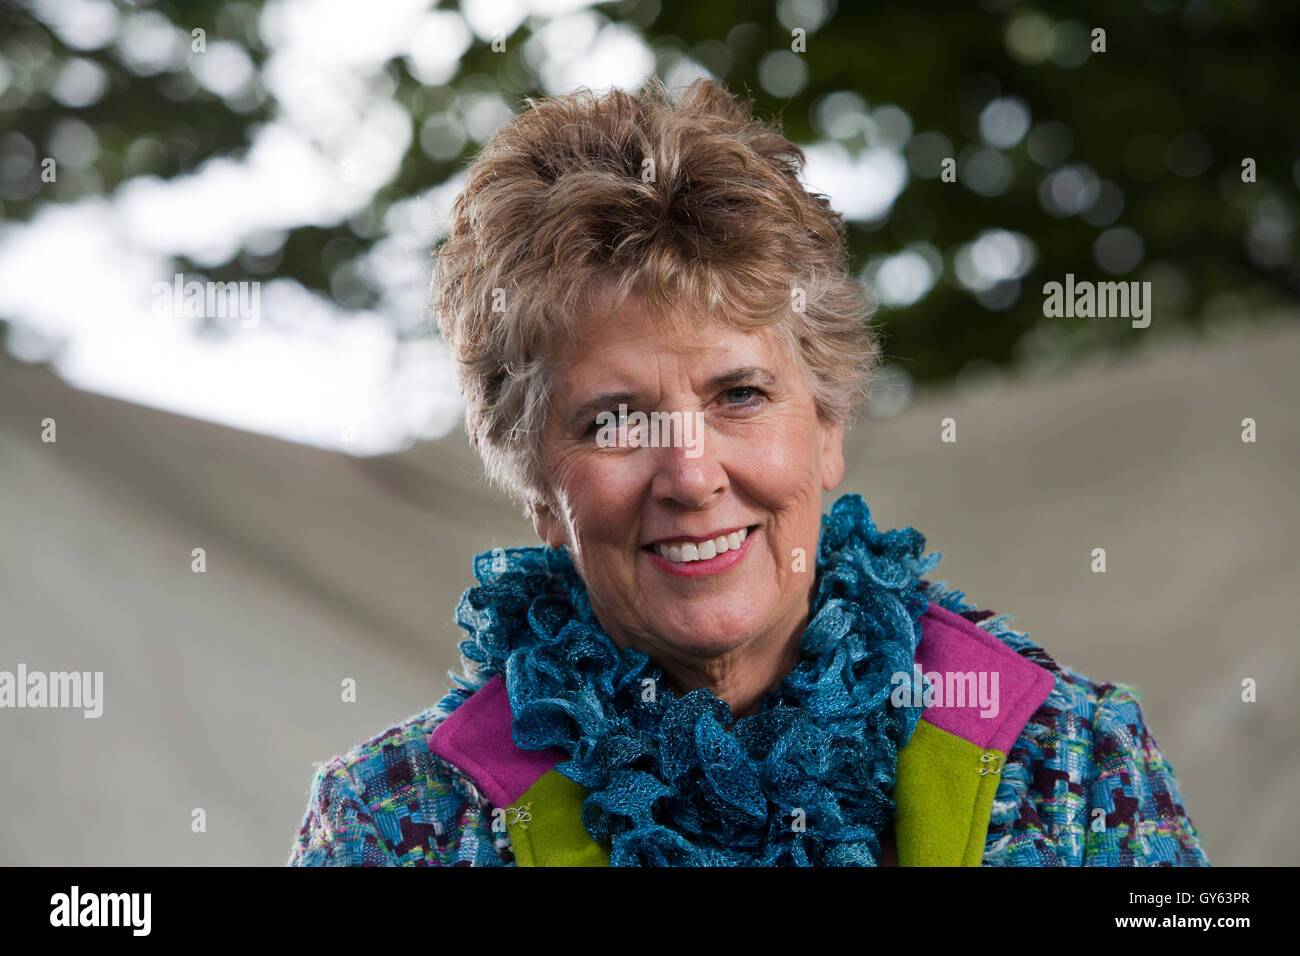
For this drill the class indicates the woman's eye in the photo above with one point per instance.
(742, 395)
(606, 420)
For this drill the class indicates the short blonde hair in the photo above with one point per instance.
(695, 207)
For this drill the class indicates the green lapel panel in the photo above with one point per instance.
(944, 797)
(546, 829)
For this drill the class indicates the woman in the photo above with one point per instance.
(660, 347)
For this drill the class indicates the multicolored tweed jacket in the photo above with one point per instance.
(1068, 776)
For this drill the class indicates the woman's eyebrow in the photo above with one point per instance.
(599, 404)
(749, 374)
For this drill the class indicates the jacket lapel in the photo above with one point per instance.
(949, 770)
(539, 808)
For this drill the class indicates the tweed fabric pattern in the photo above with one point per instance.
(390, 802)
(1085, 783)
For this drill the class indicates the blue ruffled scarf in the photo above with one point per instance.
(806, 781)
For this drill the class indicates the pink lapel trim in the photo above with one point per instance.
(952, 644)
(477, 740)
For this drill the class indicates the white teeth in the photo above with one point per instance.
(703, 550)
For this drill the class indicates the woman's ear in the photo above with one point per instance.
(549, 528)
(832, 455)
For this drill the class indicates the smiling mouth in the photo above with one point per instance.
(687, 552)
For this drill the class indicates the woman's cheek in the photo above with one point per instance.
(619, 475)
(600, 481)
(776, 458)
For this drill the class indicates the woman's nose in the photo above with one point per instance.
(688, 472)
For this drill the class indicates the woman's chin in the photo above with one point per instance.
(706, 617)
(708, 634)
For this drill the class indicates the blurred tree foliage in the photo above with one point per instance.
(1155, 128)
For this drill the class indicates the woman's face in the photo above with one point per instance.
(633, 517)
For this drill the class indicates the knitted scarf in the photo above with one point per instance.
(805, 781)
